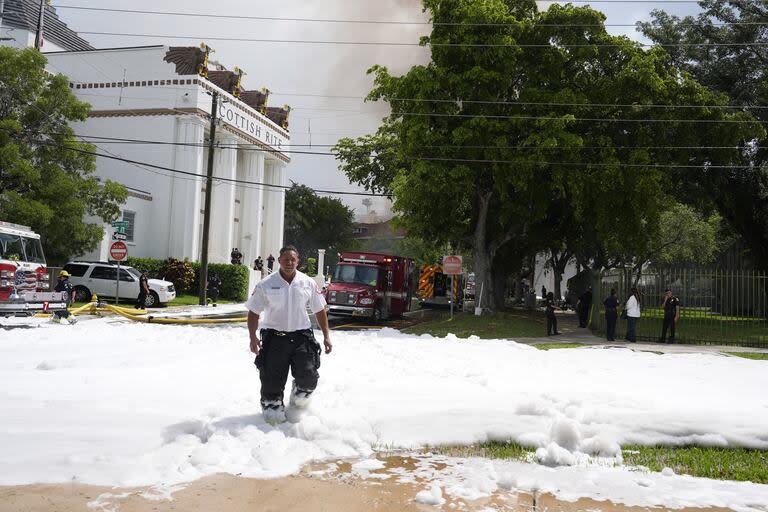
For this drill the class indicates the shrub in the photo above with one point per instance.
(311, 266)
(153, 266)
(234, 278)
(180, 273)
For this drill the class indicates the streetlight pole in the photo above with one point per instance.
(203, 296)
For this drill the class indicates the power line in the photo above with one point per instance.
(349, 21)
(456, 102)
(513, 103)
(97, 139)
(200, 176)
(436, 159)
(432, 44)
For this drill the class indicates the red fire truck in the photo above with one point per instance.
(25, 287)
(372, 285)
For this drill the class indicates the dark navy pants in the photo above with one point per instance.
(281, 351)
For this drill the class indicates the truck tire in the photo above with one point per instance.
(82, 294)
(152, 300)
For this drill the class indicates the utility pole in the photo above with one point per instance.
(40, 24)
(207, 212)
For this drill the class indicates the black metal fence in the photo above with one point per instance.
(718, 307)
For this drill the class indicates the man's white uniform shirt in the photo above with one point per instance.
(283, 304)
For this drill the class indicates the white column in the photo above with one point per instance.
(320, 277)
(223, 202)
(186, 192)
(251, 211)
(274, 209)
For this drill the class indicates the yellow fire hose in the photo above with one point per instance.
(178, 321)
(94, 308)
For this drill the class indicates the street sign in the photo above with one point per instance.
(118, 251)
(119, 236)
(119, 230)
(121, 224)
(452, 264)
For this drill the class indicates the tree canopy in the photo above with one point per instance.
(313, 222)
(530, 125)
(46, 182)
(726, 49)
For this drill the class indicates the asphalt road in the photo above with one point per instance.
(416, 315)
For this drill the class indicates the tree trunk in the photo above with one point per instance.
(484, 288)
(499, 277)
(558, 279)
(518, 288)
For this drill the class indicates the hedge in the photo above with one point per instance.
(234, 278)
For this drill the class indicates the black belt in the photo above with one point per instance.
(284, 333)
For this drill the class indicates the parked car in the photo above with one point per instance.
(89, 277)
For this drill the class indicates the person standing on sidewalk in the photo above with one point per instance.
(286, 340)
(141, 300)
(633, 314)
(550, 313)
(583, 307)
(611, 314)
(671, 307)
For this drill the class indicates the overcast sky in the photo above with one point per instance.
(303, 75)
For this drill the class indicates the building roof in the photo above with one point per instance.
(23, 14)
(377, 230)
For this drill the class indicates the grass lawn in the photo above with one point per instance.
(508, 324)
(191, 300)
(180, 300)
(717, 463)
(699, 326)
(749, 355)
(550, 346)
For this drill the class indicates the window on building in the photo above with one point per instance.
(131, 218)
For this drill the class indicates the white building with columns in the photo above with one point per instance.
(150, 119)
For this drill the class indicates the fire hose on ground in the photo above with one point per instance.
(95, 307)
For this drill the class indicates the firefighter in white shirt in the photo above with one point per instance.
(279, 304)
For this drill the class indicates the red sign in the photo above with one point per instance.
(452, 264)
(118, 251)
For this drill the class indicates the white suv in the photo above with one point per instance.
(89, 277)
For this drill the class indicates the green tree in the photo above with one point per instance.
(520, 110)
(725, 47)
(46, 182)
(313, 222)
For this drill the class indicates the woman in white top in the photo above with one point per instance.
(633, 313)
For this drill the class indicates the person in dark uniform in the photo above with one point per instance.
(544, 292)
(141, 300)
(611, 315)
(671, 307)
(64, 286)
(236, 257)
(550, 313)
(214, 285)
(583, 306)
(286, 340)
(270, 263)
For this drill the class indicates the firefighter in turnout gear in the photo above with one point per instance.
(64, 286)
